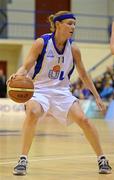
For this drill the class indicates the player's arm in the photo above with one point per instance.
(29, 61)
(85, 77)
(112, 39)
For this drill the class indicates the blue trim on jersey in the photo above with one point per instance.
(58, 51)
(40, 58)
(71, 71)
(70, 40)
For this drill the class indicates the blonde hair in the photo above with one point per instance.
(52, 16)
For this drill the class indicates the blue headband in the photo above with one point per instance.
(64, 16)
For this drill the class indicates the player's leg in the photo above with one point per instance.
(77, 115)
(33, 112)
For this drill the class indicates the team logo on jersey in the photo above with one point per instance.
(50, 54)
(56, 73)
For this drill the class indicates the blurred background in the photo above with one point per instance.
(23, 21)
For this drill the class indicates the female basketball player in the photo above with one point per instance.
(112, 39)
(55, 57)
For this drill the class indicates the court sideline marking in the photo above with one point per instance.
(56, 158)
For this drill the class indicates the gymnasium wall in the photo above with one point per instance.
(96, 7)
(24, 14)
(3, 5)
(111, 8)
(89, 8)
(14, 52)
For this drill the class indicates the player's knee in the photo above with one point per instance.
(84, 122)
(34, 113)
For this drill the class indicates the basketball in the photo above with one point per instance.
(20, 89)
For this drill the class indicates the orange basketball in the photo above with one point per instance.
(20, 89)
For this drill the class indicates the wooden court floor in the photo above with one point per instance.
(57, 153)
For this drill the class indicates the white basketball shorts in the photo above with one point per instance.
(56, 102)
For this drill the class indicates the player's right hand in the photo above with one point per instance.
(10, 78)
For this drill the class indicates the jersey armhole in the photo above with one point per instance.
(40, 58)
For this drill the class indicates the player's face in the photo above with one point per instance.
(68, 27)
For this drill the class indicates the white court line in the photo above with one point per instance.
(56, 158)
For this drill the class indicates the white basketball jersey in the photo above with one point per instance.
(53, 68)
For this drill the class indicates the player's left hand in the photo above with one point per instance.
(100, 104)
